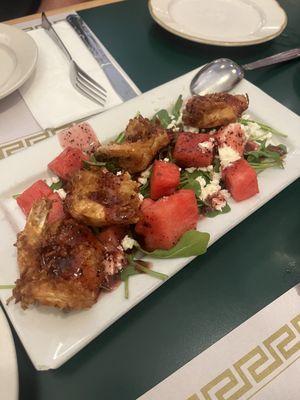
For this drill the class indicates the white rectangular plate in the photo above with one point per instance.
(66, 333)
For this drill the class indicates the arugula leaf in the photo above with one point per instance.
(214, 213)
(264, 158)
(193, 185)
(177, 107)
(262, 126)
(56, 185)
(164, 118)
(217, 164)
(130, 270)
(137, 267)
(120, 138)
(93, 162)
(4, 287)
(145, 189)
(141, 267)
(191, 243)
(188, 180)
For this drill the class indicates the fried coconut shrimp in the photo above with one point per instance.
(214, 110)
(143, 140)
(100, 198)
(62, 264)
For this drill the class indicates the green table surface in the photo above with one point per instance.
(240, 274)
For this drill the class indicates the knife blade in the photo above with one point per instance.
(118, 82)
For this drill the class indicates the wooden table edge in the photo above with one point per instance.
(74, 7)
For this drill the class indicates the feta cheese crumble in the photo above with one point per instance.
(190, 169)
(190, 129)
(228, 155)
(142, 181)
(254, 132)
(143, 178)
(209, 190)
(128, 243)
(62, 194)
(208, 145)
(209, 168)
(54, 179)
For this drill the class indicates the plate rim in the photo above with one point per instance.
(18, 83)
(212, 42)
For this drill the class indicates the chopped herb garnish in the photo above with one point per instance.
(15, 196)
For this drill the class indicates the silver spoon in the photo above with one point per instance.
(223, 74)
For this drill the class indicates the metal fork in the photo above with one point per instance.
(80, 79)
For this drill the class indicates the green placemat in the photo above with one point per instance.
(248, 268)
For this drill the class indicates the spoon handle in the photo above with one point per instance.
(276, 58)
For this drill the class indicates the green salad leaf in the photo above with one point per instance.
(265, 156)
(4, 287)
(177, 107)
(262, 126)
(214, 213)
(121, 138)
(163, 117)
(56, 185)
(188, 180)
(93, 162)
(136, 267)
(191, 243)
(145, 189)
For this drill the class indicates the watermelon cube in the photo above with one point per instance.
(194, 149)
(164, 221)
(233, 136)
(164, 180)
(241, 180)
(40, 190)
(67, 162)
(81, 136)
(57, 210)
(35, 192)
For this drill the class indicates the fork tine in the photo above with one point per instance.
(91, 88)
(90, 79)
(86, 92)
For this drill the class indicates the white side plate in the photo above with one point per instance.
(220, 22)
(66, 333)
(18, 55)
(9, 385)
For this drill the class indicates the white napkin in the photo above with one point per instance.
(49, 93)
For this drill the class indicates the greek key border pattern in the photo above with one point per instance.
(257, 368)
